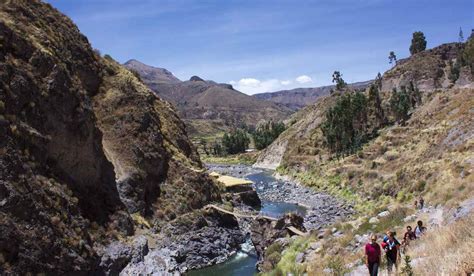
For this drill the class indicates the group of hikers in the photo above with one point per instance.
(392, 248)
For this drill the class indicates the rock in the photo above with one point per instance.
(250, 198)
(116, 256)
(299, 258)
(374, 220)
(409, 218)
(383, 214)
(314, 245)
(265, 232)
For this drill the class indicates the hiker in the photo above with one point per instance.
(416, 204)
(391, 248)
(419, 229)
(373, 252)
(422, 202)
(409, 236)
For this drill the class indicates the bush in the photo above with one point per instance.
(274, 258)
(336, 265)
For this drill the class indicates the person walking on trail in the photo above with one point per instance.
(409, 236)
(419, 229)
(421, 201)
(373, 253)
(391, 248)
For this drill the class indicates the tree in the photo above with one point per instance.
(392, 58)
(337, 78)
(345, 126)
(461, 35)
(378, 81)
(418, 43)
(375, 109)
(400, 104)
(236, 141)
(266, 133)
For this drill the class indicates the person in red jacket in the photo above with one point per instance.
(373, 253)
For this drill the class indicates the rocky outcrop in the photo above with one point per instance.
(189, 242)
(429, 70)
(265, 232)
(83, 144)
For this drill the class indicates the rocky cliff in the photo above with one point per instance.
(83, 145)
(430, 70)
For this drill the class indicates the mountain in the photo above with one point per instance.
(150, 73)
(88, 154)
(298, 98)
(206, 106)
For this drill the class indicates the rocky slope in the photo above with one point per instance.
(298, 98)
(87, 152)
(208, 107)
(430, 70)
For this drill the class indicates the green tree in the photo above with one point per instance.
(467, 56)
(236, 141)
(418, 43)
(461, 35)
(337, 78)
(378, 81)
(375, 110)
(217, 149)
(266, 133)
(392, 58)
(345, 126)
(400, 104)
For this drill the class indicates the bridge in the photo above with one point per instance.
(292, 229)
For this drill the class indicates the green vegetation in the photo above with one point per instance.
(418, 43)
(407, 269)
(392, 58)
(402, 101)
(346, 124)
(266, 133)
(337, 78)
(237, 141)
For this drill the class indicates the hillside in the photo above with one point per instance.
(208, 107)
(429, 155)
(298, 98)
(88, 154)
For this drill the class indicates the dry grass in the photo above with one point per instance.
(447, 250)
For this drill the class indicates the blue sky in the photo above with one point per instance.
(266, 45)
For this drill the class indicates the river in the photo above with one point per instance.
(243, 262)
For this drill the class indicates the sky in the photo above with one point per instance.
(262, 45)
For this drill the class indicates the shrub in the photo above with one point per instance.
(274, 258)
(336, 265)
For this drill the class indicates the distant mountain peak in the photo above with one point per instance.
(156, 74)
(195, 78)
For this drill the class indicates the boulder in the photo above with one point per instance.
(374, 220)
(383, 214)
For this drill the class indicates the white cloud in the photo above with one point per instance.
(304, 79)
(252, 86)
